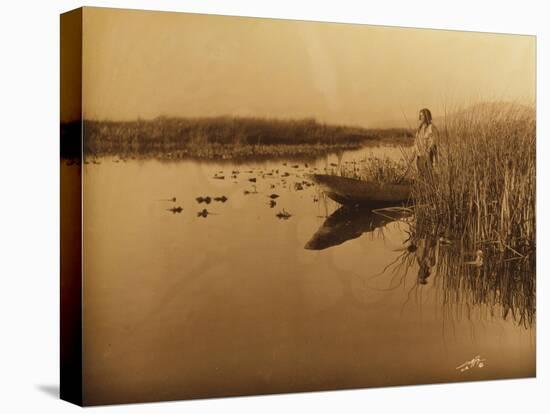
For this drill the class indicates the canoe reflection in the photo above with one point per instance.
(348, 223)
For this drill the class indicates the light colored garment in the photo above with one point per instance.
(424, 140)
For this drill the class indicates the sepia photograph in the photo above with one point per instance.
(263, 206)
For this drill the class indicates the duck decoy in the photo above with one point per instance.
(246, 192)
(204, 213)
(283, 215)
(175, 210)
(478, 262)
(206, 200)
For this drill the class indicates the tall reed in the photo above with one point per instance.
(482, 187)
(476, 209)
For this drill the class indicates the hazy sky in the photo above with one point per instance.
(146, 64)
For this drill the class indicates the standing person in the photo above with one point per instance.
(425, 142)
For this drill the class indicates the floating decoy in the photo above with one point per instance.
(206, 200)
(445, 241)
(204, 213)
(223, 199)
(272, 203)
(252, 180)
(246, 192)
(478, 262)
(274, 196)
(175, 209)
(283, 215)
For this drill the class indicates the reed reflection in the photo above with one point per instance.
(483, 276)
(487, 277)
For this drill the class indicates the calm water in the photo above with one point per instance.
(179, 305)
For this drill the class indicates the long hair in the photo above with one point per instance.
(427, 117)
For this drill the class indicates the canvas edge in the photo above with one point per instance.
(70, 364)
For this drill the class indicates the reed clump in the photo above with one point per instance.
(480, 197)
(474, 213)
(482, 187)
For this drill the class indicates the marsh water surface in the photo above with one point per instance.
(273, 289)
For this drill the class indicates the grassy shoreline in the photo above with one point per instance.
(220, 138)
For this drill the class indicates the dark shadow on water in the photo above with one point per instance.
(49, 389)
(348, 223)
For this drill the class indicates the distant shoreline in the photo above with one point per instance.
(218, 138)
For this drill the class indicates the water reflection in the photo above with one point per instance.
(481, 277)
(350, 222)
(497, 284)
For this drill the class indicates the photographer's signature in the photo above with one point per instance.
(476, 362)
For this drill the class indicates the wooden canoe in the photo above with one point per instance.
(350, 191)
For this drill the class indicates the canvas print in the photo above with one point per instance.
(257, 206)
